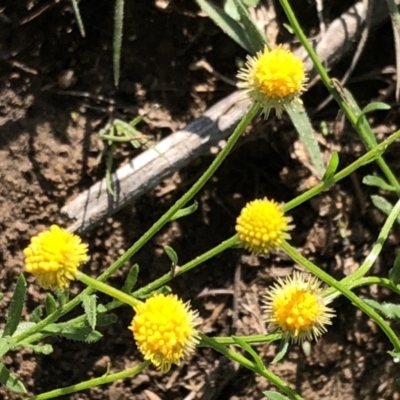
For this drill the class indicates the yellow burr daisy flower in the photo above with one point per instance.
(273, 79)
(262, 226)
(164, 330)
(296, 308)
(54, 257)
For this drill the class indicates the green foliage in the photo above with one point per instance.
(283, 348)
(16, 306)
(89, 303)
(387, 310)
(172, 255)
(131, 279)
(275, 396)
(185, 211)
(10, 381)
(51, 304)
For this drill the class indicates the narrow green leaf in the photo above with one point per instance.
(394, 273)
(16, 306)
(361, 119)
(171, 253)
(45, 349)
(82, 333)
(305, 130)
(106, 319)
(251, 3)
(62, 296)
(372, 180)
(183, 212)
(78, 17)
(245, 346)
(131, 279)
(51, 304)
(375, 106)
(256, 39)
(283, 348)
(332, 167)
(275, 396)
(118, 30)
(231, 9)
(6, 344)
(23, 326)
(36, 314)
(383, 205)
(387, 310)
(10, 381)
(1, 296)
(89, 305)
(227, 24)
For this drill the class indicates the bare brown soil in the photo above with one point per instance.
(48, 150)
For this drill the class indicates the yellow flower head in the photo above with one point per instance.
(262, 226)
(164, 330)
(54, 257)
(273, 79)
(295, 306)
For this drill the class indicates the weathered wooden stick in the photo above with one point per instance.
(148, 169)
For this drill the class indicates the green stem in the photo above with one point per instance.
(153, 229)
(332, 293)
(376, 249)
(319, 273)
(252, 366)
(251, 339)
(107, 289)
(365, 159)
(186, 197)
(92, 383)
(351, 116)
(163, 280)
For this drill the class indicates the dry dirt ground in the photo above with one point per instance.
(48, 150)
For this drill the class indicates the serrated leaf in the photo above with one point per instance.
(383, 205)
(226, 23)
(256, 39)
(183, 212)
(37, 314)
(394, 273)
(303, 126)
(82, 333)
(387, 310)
(16, 306)
(62, 297)
(245, 346)
(172, 255)
(283, 348)
(375, 106)
(275, 396)
(51, 304)
(131, 279)
(332, 167)
(372, 180)
(10, 381)
(89, 305)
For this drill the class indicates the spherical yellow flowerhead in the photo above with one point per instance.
(296, 308)
(273, 79)
(164, 330)
(54, 257)
(262, 226)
